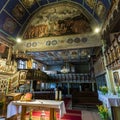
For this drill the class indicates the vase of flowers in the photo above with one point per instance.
(104, 89)
(103, 112)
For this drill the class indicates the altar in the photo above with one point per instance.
(51, 104)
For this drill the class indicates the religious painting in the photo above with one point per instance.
(63, 54)
(74, 54)
(100, 9)
(4, 50)
(57, 20)
(22, 77)
(9, 25)
(18, 11)
(83, 52)
(97, 6)
(116, 78)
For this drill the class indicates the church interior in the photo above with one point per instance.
(58, 55)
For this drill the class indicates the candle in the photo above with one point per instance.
(56, 95)
(60, 95)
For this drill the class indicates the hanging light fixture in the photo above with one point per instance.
(65, 68)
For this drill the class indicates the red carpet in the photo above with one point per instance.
(70, 115)
(74, 111)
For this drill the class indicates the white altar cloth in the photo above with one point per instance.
(12, 110)
(12, 107)
(109, 100)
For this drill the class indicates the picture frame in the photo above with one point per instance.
(116, 78)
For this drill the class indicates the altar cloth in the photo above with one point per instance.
(15, 106)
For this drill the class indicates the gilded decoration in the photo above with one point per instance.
(56, 21)
(97, 6)
(91, 3)
(28, 3)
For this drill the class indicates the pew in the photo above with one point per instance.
(86, 98)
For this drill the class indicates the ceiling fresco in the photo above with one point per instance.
(15, 14)
(55, 20)
(37, 19)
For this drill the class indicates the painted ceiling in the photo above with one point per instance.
(59, 57)
(31, 19)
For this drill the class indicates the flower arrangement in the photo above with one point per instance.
(104, 89)
(103, 112)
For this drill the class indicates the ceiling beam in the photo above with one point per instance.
(60, 43)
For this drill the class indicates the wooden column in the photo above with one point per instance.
(23, 113)
(52, 114)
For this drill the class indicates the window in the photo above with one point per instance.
(21, 64)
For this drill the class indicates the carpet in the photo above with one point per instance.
(70, 115)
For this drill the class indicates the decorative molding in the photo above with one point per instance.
(60, 43)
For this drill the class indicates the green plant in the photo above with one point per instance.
(104, 89)
(103, 112)
(118, 90)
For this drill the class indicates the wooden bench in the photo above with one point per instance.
(47, 95)
(85, 98)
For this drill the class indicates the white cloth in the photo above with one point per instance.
(62, 109)
(12, 110)
(109, 100)
(13, 107)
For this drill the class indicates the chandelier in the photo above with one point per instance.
(65, 68)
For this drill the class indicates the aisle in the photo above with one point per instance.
(90, 115)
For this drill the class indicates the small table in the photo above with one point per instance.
(109, 100)
(51, 104)
(112, 102)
